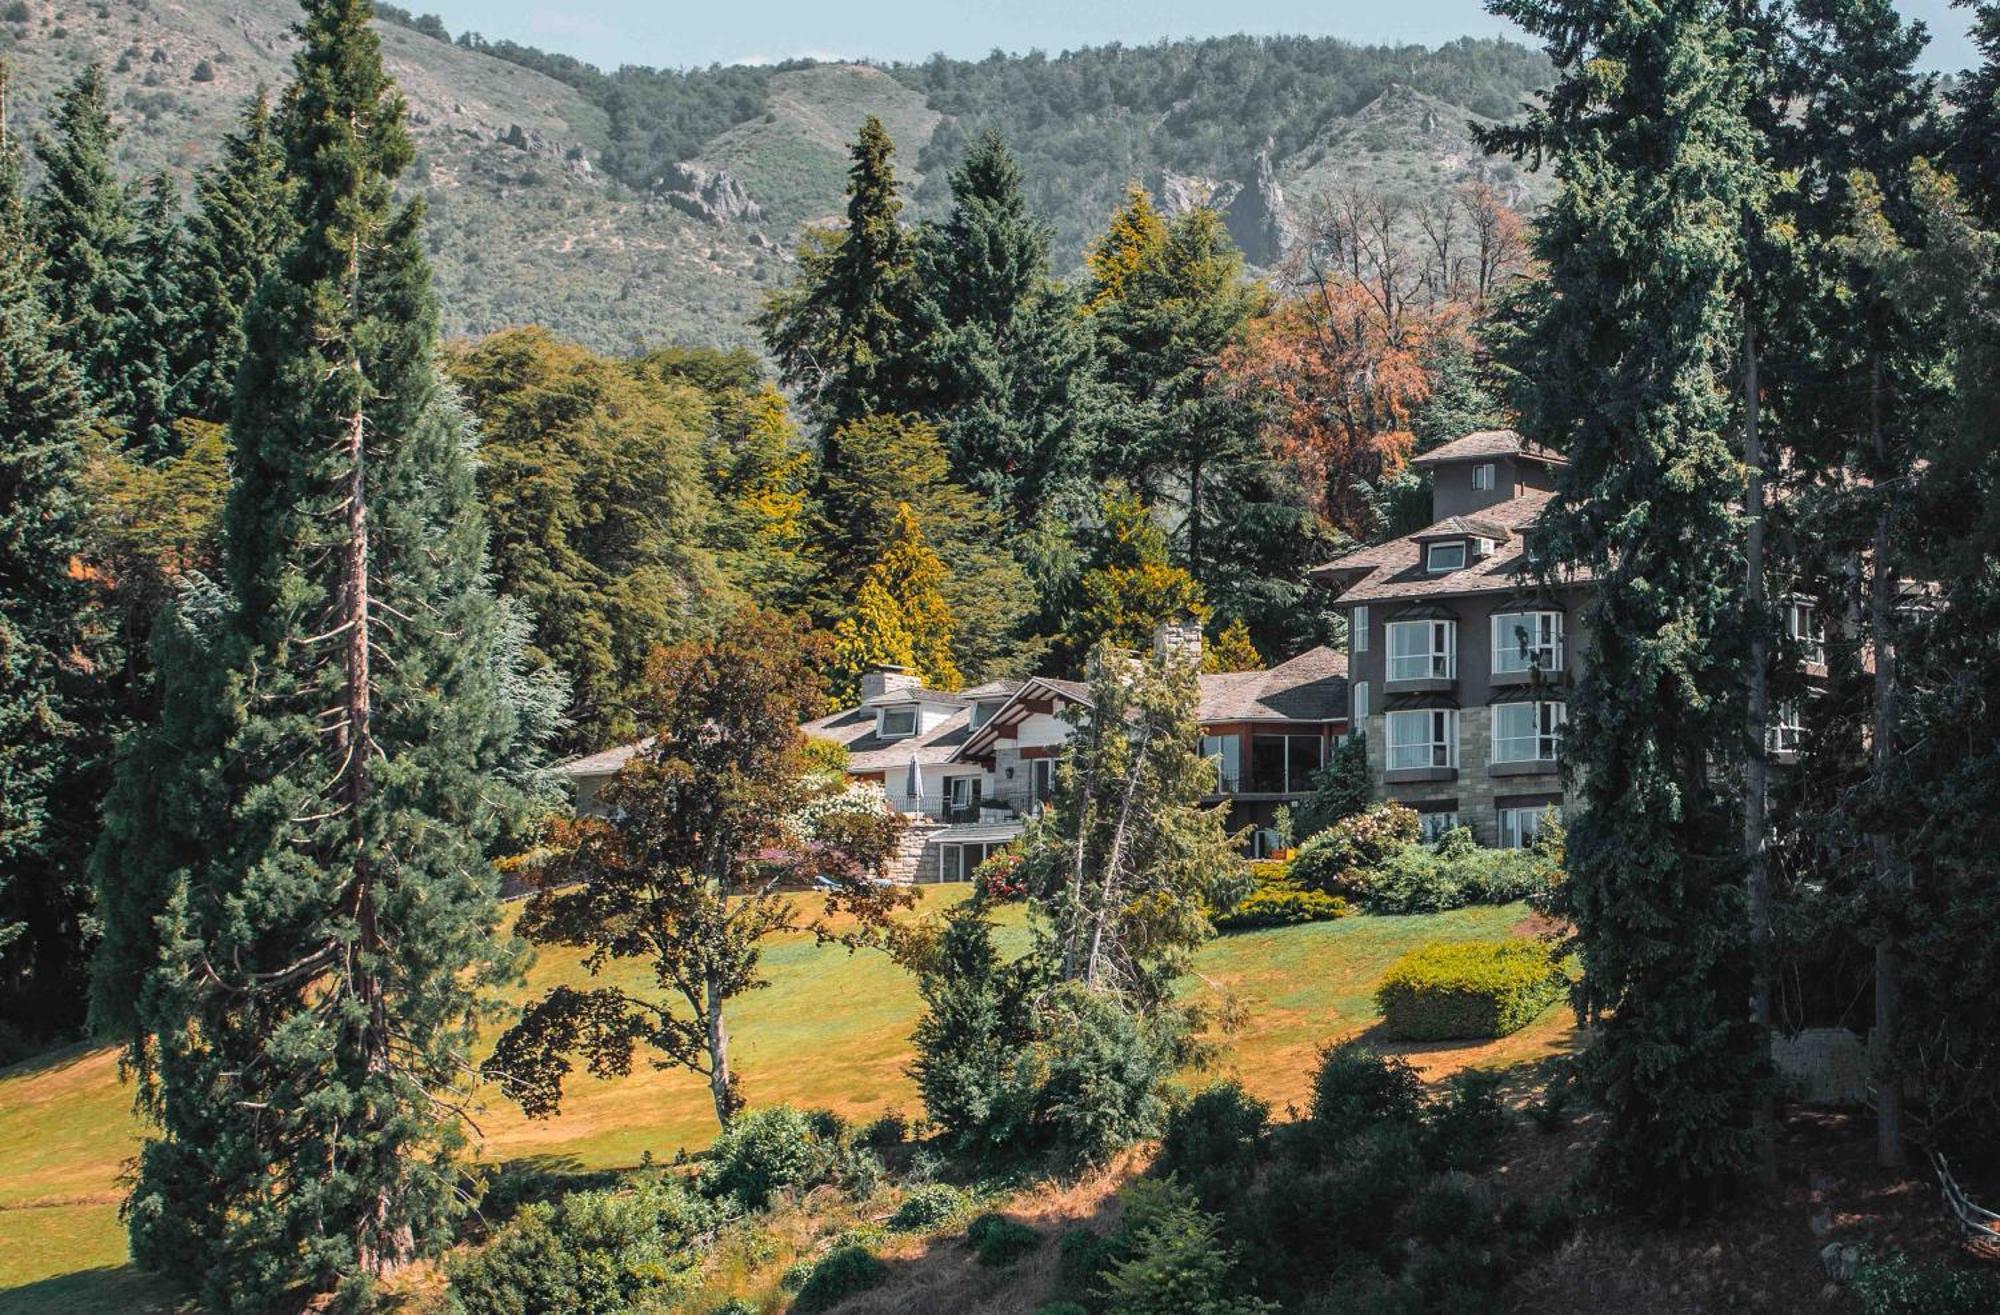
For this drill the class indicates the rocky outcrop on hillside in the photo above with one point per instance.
(714, 196)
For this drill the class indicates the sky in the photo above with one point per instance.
(681, 33)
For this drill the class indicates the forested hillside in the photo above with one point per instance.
(644, 206)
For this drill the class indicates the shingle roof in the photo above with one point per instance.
(605, 762)
(1485, 443)
(868, 752)
(1395, 569)
(1309, 687)
(1472, 525)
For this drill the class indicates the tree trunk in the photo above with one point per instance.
(1111, 865)
(1757, 763)
(720, 1087)
(1881, 624)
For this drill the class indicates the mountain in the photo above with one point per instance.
(658, 205)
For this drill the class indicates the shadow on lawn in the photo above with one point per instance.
(50, 1061)
(122, 1289)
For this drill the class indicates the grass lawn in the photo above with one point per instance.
(831, 1030)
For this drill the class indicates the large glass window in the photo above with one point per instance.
(1283, 764)
(1226, 751)
(1527, 641)
(1357, 709)
(1426, 737)
(898, 722)
(1432, 826)
(965, 792)
(1357, 630)
(1423, 650)
(1527, 732)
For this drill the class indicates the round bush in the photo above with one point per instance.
(845, 1272)
(1471, 990)
(1214, 1142)
(1355, 1088)
(763, 1152)
(998, 1240)
(929, 1206)
(1338, 860)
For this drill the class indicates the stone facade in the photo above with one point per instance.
(1477, 789)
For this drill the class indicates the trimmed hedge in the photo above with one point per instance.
(1467, 990)
(1281, 905)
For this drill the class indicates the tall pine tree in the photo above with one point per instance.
(848, 333)
(52, 735)
(299, 908)
(241, 223)
(82, 221)
(1631, 360)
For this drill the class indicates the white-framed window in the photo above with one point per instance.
(964, 793)
(896, 723)
(1787, 730)
(1527, 732)
(1425, 737)
(1527, 641)
(1802, 624)
(1357, 630)
(1041, 781)
(1520, 826)
(1357, 709)
(1226, 751)
(1442, 557)
(981, 714)
(959, 862)
(1482, 476)
(1423, 650)
(1432, 826)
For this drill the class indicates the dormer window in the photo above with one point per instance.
(1482, 477)
(1442, 557)
(896, 723)
(983, 713)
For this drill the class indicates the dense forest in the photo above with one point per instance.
(302, 599)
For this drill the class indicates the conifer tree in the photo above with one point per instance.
(1232, 650)
(161, 349)
(872, 635)
(299, 909)
(241, 223)
(83, 224)
(848, 333)
(759, 468)
(1136, 232)
(1630, 359)
(1975, 136)
(52, 729)
(1121, 867)
(1012, 376)
(915, 576)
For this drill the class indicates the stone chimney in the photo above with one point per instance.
(1178, 639)
(885, 679)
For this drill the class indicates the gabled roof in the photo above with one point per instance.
(1458, 527)
(1033, 695)
(605, 762)
(1485, 445)
(1396, 569)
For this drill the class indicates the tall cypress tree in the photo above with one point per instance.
(241, 223)
(1631, 357)
(299, 909)
(161, 348)
(1975, 148)
(83, 223)
(51, 728)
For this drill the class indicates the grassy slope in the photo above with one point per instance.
(831, 1030)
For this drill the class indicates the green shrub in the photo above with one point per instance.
(1177, 1265)
(1895, 1286)
(929, 1206)
(1464, 1126)
(885, 1133)
(1214, 1143)
(1355, 1088)
(1311, 1218)
(781, 1148)
(976, 1025)
(592, 1252)
(844, 1272)
(1091, 1084)
(1467, 990)
(1286, 905)
(1338, 859)
(998, 1240)
(1456, 873)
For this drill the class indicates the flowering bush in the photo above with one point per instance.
(1338, 859)
(1000, 877)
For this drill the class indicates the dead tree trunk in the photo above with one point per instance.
(720, 1087)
